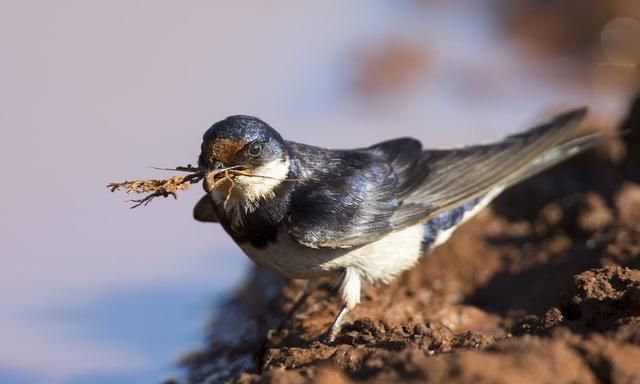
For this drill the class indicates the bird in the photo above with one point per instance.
(365, 214)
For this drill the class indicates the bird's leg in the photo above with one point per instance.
(350, 292)
(331, 333)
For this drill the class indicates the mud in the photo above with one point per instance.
(543, 286)
(390, 67)
(580, 42)
(570, 28)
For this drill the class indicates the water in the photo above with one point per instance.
(93, 93)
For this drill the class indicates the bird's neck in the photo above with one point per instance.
(256, 220)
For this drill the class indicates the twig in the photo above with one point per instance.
(160, 187)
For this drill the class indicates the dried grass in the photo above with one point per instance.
(159, 187)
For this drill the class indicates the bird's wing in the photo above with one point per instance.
(348, 197)
(395, 184)
(459, 175)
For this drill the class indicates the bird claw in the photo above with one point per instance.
(327, 338)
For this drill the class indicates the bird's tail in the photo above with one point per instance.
(559, 154)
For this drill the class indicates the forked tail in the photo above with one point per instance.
(558, 154)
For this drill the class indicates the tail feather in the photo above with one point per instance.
(558, 154)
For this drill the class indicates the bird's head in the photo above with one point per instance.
(246, 160)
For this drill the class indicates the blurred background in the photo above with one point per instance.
(93, 92)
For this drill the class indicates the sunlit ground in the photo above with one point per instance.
(97, 92)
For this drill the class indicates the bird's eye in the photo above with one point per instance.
(255, 149)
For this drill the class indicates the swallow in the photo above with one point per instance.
(365, 214)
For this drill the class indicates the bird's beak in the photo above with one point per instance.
(213, 177)
(209, 180)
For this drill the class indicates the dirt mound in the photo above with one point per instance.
(562, 28)
(542, 287)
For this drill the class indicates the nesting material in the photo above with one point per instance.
(159, 187)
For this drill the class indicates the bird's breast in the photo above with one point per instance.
(379, 260)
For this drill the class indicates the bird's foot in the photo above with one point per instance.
(327, 338)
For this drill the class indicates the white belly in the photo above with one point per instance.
(380, 260)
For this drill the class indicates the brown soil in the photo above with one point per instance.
(542, 287)
(392, 66)
(581, 42)
(562, 27)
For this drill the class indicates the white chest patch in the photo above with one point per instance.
(242, 194)
(380, 260)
